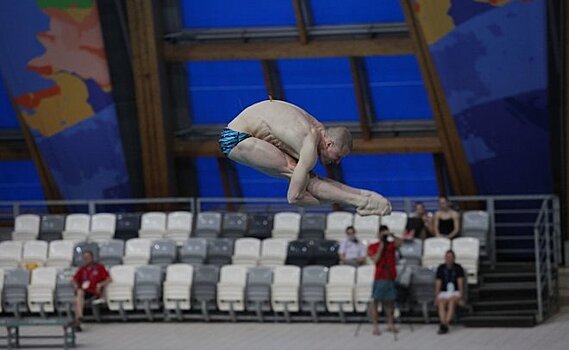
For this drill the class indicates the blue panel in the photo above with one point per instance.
(221, 90)
(208, 177)
(326, 12)
(323, 87)
(397, 88)
(237, 13)
(19, 181)
(392, 175)
(8, 119)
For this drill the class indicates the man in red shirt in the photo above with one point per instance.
(89, 282)
(383, 255)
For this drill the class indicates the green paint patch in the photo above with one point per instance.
(66, 4)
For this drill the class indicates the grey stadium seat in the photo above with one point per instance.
(163, 252)
(258, 290)
(260, 226)
(80, 248)
(204, 288)
(51, 227)
(300, 252)
(148, 289)
(411, 252)
(127, 226)
(476, 224)
(312, 226)
(208, 225)
(111, 252)
(313, 289)
(220, 251)
(423, 289)
(64, 291)
(15, 291)
(194, 251)
(326, 252)
(234, 225)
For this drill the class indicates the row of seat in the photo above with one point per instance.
(179, 225)
(232, 288)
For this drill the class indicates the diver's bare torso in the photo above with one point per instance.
(280, 123)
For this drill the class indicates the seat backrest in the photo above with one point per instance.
(163, 247)
(423, 276)
(260, 275)
(128, 222)
(111, 248)
(247, 247)
(235, 222)
(103, 222)
(220, 247)
(365, 274)
(339, 220)
(16, 278)
(180, 220)
(148, 274)
(411, 249)
(180, 273)
(366, 224)
(286, 274)
(153, 221)
(52, 224)
(27, 223)
(210, 221)
(45, 276)
(138, 247)
(35, 249)
(234, 274)
(315, 275)
(466, 247)
(313, 222)
(11, 250)
(123, 274)
(61, 249)
(299, 247)
(342, 274)
(287, 221)
(80, 248)
(274, 247)
(436, 247)
(77, 223)
(475, 220)
(326, 247)
(194, 247)
(396, 221)
(206, 274)
(261, 224)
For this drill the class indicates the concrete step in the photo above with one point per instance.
(499, 321)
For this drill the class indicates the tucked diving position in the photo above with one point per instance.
(284, 141)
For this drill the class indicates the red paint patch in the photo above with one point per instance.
(42, 70)
(32, 100)
(99, 52)
(416, 7)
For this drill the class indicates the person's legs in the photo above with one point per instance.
(451, 308)
(441, 306)
(79, 304)
(389, 307)
(373, 313)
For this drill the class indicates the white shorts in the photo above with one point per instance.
(448, 295)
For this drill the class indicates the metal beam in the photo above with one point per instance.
(362, 97)
(149, 84)
(459, 170)
(390, 44)
(14, 150)
(300, 21)
(272, 79)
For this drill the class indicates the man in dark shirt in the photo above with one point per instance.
(383, 255)
(88, 282)
(449, 290)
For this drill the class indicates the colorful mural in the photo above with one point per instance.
(52, 59)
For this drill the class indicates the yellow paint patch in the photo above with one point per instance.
(79, 14)
(56, 113)
(434, 18)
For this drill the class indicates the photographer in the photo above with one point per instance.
(383, 255)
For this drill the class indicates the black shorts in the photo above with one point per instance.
(89, 297)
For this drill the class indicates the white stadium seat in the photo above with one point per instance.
(119, 293)
(60, 253)
(340, 288)
(367, 227)
(102, 227)
(396, 221)
(434, 250)
(467, 252)
(285, 288)
(76, 227)
(363, 288)
(179, 226)
(336, 224)
(178, 286)
(152, 225)
(26, 227)
(10, 254)
(137, 251)
(273, 252)
(286, 225)
(246, 251)
(231, 288)
(34, 252)
(41, 289)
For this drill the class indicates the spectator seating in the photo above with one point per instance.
(163, 252)
(336, 224)
(1, 286)
(204, 288)
(120, 292)
(467, 252)
(220, 251)
(247, 251)
(340, 289)
(260, 226)
(234, 225)
(178, 286)
(76, 227)
(434, 250)
(363, 288)
(325, 253)
(111, 252)
(179, 226)
(64, 291)
(286, 225)
(34, 253)
(231, 288)
(285, 289)
(312, 226)
(60, 254)
(367, 227)
(313, 289)
(258, 291)
(103, 226)
(152, 225)
(127, 226)
(273, 252)
(299, 252)
(15, 291)
(137, 251)
(208, 225)
(423, 289)
(396, 221)
(41, 290)
(148, 289)
(51, 227)
(194, 251)
(82, 247)
(476, 224)
(26, 227)
(411, 252)
(10, 253)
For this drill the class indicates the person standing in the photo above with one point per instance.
(382, 253)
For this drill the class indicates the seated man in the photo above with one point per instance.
(88, 282)
(352, 251)
(419, 224)
(282, 140)
(449, 290)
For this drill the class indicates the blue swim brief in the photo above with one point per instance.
(228, 139)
